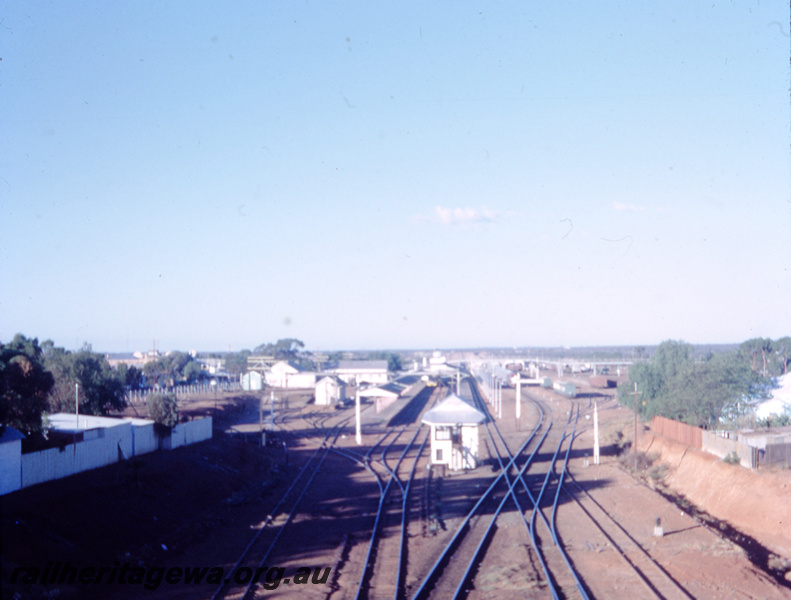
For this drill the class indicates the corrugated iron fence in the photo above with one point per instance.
(776, 455)
(723, 444)
(679, 432)
(718, 444)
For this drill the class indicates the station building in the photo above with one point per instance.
(358, 372)
(454, 433)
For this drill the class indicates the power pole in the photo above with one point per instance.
(595, 434)
(518, 395)
(271, 411)
(635, 393)
(358, 437)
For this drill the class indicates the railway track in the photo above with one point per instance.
(330, 426)
(385, 558)
(528, 483)
(454, 570)
(655, 578)
(385, 566)
(543, 550)
(260, 548)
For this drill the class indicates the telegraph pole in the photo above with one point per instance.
(595, 434)
(518, 396)
(358, 436)
(77, 402)
(635, 393)
(271, 411)
(261, 419)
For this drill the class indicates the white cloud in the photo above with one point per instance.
(463, 216)
(628, 207)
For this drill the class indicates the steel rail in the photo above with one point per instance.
(432, 575)
(536, 508)
(643, 576)
(278, 506)
(404, 511)
(520, 478)
(368, 565)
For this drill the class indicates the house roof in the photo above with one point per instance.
(355, 365)
(388, 389)
(67, 422)
(9, 434)
(454, 411)
(408, 379)
(289, 363)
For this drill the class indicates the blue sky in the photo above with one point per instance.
(394, 175)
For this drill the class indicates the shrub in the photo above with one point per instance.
(644, 461)
(163, 409)
(732, 459)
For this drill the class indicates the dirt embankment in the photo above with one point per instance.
(756, 503)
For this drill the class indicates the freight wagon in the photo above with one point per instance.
(565, 388)
(599, 381)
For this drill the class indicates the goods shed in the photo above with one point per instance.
(454, 433)
(330, 390)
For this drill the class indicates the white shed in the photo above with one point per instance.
(287, 374)
(454, 433)
(330, 390)
(252, 381)
(10, 460)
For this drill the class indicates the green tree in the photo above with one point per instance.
(192, 371)
(672, 357)
(283, 349)
(393, 359)
(751, 349)
(236, 362)
(101, 389)
(130, 376)
(156, 372)
(24, 384)
(707, 393)
(163, 409)
(721, 387)
(782, 355)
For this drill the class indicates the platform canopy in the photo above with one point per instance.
(454, 411)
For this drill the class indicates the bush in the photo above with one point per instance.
(163, 409)
(732, 459)
(644, 461)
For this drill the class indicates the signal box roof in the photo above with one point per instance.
(454, 411)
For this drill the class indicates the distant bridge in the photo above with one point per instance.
(572, 364)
